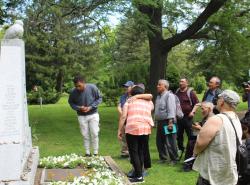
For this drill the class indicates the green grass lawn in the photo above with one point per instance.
(58, 133)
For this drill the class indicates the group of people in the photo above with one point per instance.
(211, 142)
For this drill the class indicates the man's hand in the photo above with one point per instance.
(196, 126)
(85, 109)
(191, 114)
(82, 108)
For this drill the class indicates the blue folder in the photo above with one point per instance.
(173, 131)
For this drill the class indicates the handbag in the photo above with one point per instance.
(241, 153)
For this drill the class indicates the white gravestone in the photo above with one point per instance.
(18, 160)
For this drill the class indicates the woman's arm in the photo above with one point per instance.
(192, 113)
(148, 97)
(122, 120)
(207, 134)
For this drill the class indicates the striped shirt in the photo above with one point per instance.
(139, 120)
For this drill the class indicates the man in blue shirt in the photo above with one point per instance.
(211, 95)
(128, 86)
(84, 99)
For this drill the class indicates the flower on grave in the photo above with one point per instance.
(98, 173)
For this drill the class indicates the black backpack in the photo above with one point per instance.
(241, 154)
(246, 119)
(247, 172)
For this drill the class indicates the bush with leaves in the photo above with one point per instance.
(45, 97)
(199, 83)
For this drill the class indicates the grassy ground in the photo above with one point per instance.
(58, 133)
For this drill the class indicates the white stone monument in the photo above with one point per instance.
(18, 159)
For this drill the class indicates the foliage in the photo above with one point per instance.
(44, 97)
(199, 83)
(64, 38)
(11, 10)
(131, 55)
(180, 64)
(58, 46)
(125, 58)
(173, 77)
(226, 54)
(226, 85)
(110, 96)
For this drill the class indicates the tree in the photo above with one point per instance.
(227, 53)
(154, 11)
(160, 46)
(196, 20)
(58, 46)
(11, 10)
(131, 52)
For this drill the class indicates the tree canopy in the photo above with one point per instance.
(154, 39)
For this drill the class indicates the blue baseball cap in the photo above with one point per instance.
(128, 84)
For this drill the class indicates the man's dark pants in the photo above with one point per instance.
(166, 144)
(184, 124)
(136, 147)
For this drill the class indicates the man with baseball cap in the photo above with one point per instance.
(127, 86)
(215, 147)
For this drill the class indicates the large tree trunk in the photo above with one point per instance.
(158, 63)
(59, 81)
(155, 38)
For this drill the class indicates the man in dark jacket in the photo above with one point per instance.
(188, 100)
(84, 99)
(211, 95)
(246, 95)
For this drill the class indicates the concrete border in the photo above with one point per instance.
(112, 164)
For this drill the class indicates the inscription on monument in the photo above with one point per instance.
(10, 110)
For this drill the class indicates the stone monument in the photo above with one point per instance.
(18, 159)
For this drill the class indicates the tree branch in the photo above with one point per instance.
(202, 36)
(212, 7)
(86, 8)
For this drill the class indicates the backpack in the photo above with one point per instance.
(178, 112)
(247, 172)
(241, 153)
(188, 94)
(246, 119)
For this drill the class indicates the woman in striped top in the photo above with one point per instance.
(137, 115)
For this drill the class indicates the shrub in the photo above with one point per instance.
(199, 83)
(226, 85)
(111, 96)
(47, 97)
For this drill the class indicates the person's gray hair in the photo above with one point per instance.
(217, 79)
(230, 97)
(208, 105)
(165, 82)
